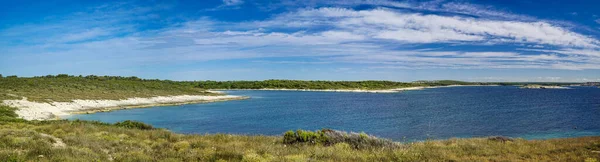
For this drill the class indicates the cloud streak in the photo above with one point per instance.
(232, 2)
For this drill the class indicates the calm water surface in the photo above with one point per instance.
(413, 115)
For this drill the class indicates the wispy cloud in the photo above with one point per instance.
(227, 5)
(102, 21)
(232, 2)
(457, 8)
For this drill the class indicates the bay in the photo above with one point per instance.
(437, 113)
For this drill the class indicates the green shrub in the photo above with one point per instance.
(63, 76)
(289, 137)
(331, 137)
(7, 112)
(134, 124)
(301, 136)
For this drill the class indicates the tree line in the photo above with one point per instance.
(301, 84)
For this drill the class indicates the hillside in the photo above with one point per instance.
(301, 84)
(65, 88)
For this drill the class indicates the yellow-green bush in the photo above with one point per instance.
(134, 125)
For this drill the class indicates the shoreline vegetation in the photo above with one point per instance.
(76, 140)
(334, 86)
(353, 86)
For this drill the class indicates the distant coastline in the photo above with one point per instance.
(395, 90)
(543, 87)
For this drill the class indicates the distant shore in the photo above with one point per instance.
(29, 110)
(395, 90)
(543, 87)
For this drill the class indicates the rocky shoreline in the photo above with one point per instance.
(29, 110)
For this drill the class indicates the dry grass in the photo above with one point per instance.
(88, 141)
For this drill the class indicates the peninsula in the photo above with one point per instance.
(49, 97)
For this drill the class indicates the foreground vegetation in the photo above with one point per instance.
(64, 140)
(66, 88)
(94, 141)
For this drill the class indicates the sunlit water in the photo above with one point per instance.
(412, 115)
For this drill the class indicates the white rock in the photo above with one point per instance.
(43, 111)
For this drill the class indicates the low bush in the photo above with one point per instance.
(301, 136)
(7, 112)
(329, 137)
(134, 124)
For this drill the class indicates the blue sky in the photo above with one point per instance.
(304, 39)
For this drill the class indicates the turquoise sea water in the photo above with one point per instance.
(438, 113)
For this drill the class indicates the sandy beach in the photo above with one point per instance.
(29, 110)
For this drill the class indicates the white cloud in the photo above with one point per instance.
(570, 51)
(232, 2)
(107, 20)
(243, 39)
(490, 54)
(457, 8)
(83, 35)
(419, 28)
